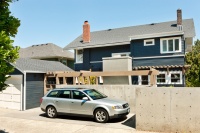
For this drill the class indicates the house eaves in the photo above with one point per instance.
(163, 34)
(100, 45)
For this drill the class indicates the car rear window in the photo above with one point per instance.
(64, 94)
(53, 94)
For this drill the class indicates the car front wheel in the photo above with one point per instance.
(51, 112)
(101, 116)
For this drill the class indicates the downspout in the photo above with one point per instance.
(24, 98)
(184, 78)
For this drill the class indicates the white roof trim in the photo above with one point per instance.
(156, 35)
(136, 58)
(99, 45)
(29, 71)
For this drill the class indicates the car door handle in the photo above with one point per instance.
(56, 101)
(72, 102)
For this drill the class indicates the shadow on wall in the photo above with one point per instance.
(131, 122)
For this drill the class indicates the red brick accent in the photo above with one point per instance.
(179, 17)
(86, 32)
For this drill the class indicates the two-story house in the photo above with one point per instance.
(157, 45)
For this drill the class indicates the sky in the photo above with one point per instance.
(61, 21)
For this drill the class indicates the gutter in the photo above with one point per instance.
(98, 45)
(162, 34)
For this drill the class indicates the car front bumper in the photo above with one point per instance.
(118, 113)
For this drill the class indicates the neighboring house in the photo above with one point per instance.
(28, 83)
(157, 45)
(48, 51)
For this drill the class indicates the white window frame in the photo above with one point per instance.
(168, 77)
(176, 72)
(172, 38)
(120, 54)
(149, 40)
(78, 61)
(164, 72)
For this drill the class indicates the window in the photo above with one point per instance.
(53, 94)
(51, 80)
(143, 80)
(175, 78)
(161, 78)
(64, 94)
(120, 54)
(149, 42)
(170, 45)
(78, 95)
(95, 94)
(79, 56)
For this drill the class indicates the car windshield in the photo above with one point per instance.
(94, 94)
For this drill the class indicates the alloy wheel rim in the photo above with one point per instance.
(101, 116)
(51, 112)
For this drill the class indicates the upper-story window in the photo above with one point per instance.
(170, 45)
(79, 56)
(149, 42)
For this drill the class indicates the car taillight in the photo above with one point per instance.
(41, 100)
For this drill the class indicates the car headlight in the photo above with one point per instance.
(117, 107)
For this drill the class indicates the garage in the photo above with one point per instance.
(26, 83)
(34, 89)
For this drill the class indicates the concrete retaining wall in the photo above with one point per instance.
(123, 92)
(159, 109)
(168, 109)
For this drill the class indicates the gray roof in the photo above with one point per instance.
(34, 65)
(121, 36)
(48, 50)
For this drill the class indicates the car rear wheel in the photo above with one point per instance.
(101, 116)
(51, 112)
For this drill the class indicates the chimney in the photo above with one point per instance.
(179, 17)
(86, 32)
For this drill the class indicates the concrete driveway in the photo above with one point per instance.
(35, 121)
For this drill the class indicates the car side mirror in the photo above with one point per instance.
(85, 98)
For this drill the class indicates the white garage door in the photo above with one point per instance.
(11, 97)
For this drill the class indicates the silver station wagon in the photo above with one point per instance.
(83, 102)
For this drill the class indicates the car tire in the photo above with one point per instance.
(101, 115)
(51, 112)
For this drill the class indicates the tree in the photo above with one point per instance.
(193, 59)
(8, 53)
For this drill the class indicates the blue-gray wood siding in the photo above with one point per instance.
(96, 54)
(34, 89)
(159, 61)
(138, 49)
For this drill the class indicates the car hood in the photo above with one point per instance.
(111, 101)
